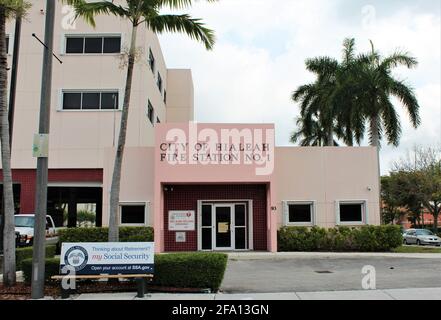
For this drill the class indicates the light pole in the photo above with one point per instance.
(38, 259)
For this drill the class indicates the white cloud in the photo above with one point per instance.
(259, 59)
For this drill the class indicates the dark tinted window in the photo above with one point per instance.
(159, 82)
(150, 112)
(71, 101)
(74, 45)
(7, 45)
(91, 100)
(133, 214)
(206, 215)
(151, 60)
(351, 212)
(239, 215)
(93, 45)
(109, 100)
(112, 45)
(240, 238)
(206, 239)
(299, 213)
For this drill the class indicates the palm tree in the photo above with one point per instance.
(331, 97)
(310, 133)
(139, 12)
(376, 86)
(8, 9)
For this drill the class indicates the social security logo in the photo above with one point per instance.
(76, 257)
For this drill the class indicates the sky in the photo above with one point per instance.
(262, 45)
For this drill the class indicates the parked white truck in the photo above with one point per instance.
(24, 224)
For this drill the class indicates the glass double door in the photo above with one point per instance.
(224, 226)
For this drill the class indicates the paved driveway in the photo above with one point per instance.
(328, 274)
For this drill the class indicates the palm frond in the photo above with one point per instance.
(176, 4)
(399, 59)
(194, 28)
(391, 122)
(348, 50)
(407, 97)
(322, 66)
(89, 10)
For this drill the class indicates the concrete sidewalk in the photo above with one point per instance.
(387, 294)
(308, 255)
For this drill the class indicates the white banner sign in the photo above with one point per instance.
(181, 220)
(108, 258)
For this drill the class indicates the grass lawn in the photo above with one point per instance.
(415, 249)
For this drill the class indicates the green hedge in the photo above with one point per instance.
(190, 270)
(126, 234)
(27, 252)
(178, 270)
(340, 239)
(52, 268)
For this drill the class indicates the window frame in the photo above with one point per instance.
(92, 35)
(364, 212)
(311, 203)
(133, 204)
(82, 91)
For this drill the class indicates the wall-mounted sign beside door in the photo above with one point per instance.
(181, 220)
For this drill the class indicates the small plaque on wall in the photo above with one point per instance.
(181, 237)
(181, 220)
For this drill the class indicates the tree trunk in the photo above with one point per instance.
(9, 267)
(116, 178)
(436, 213)
(375, 132)
(330, 138)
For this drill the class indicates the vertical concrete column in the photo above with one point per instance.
(72, 208)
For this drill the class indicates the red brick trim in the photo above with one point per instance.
(185, 197)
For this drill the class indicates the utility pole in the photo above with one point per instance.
(38, 260)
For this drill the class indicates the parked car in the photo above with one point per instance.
(421, 237)
(24, 224)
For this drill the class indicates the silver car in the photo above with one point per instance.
(421, 237)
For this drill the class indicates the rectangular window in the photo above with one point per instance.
(133, 214)
(90, 100)
(159, 83)
(206, 223)
(112, 45)
(165, 97)
(7, 44)
(150, 112)
(93, 44)
(151, 60)
(299, 213)
(351, 212)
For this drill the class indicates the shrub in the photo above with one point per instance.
(126, 234)
(190, 270)
(27, 252)
(52, 268)
(363, 239)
